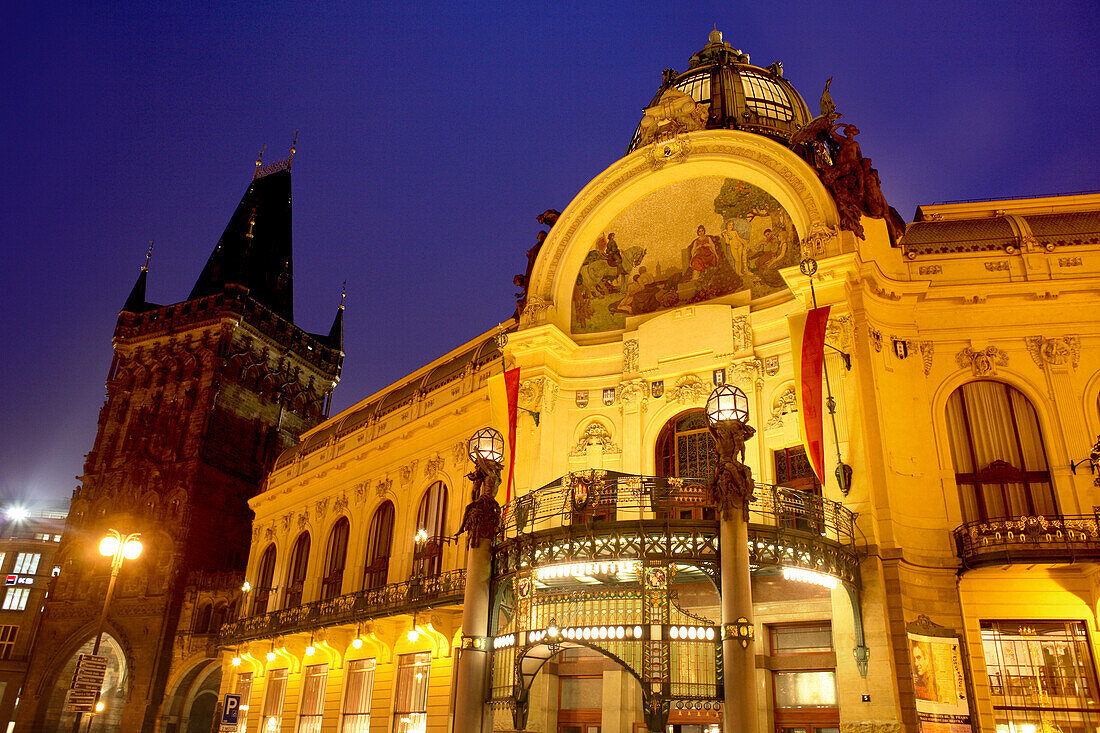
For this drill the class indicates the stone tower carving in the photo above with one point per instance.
(201, 397)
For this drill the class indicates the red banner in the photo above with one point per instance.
(808, 353)
(511, 386)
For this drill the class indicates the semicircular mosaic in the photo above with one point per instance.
(685, 243)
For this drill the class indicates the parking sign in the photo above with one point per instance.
(231, 710)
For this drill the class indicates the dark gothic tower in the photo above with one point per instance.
(201, 397)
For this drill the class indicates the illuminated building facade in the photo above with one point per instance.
(948, 579)
(201, 397)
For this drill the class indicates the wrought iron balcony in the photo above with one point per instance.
(405, 597)
(603, 515)
(1028, 539)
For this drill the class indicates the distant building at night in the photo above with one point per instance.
(202, 396)
(943, 575)
(29, 539)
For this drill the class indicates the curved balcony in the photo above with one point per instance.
(405, 597)
(1028, 539)
(603, 516)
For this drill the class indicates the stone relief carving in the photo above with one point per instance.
(771, 365)
(269, 533)
(340, 504)
(748, 372)
(433, 465)
(530, 392)
(384, 486)
(633, 392)
(742, 334)
(533, 310)
(876, 338)
(870, 726)
(689, 389)
(408, 471)
(784, 403)
(817, 241)
(255, 533)
(983, 363)
(458, 454)
(1056, 351)
(284, 521)
(675, 112)
(929, 269)
(595, 433)
(321, 507)
(630, 356)
(838, 331)
(926, 348)
(303, 520)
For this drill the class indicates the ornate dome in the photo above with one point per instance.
(736, 94)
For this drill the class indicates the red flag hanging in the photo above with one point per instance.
(511, 386)
(808, 353)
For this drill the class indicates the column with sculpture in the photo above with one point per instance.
(480, 522)
(730, 491)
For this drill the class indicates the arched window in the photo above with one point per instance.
(296, 573)
(202, 620)
(997, 449)
(430, 517)
(333, 579)
(379, 541)
(217, 618)
(685, 449)
(263, 581)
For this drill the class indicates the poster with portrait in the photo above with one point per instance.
(939, 683)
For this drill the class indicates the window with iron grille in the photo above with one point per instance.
(430, 517)
(296, 576)
(263, 581)
(359, 689)
(333, 580)
(685, 449)
(1041, 675)
(379, 542)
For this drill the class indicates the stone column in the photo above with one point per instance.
(739, 662)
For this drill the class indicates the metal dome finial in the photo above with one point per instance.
(715, 35)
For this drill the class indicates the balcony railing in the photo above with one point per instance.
(1028, 539)
(607, 495)
(410, 595)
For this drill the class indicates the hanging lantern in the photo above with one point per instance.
(727, 403)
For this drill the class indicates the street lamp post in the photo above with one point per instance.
(730, 491)
(118, 548)
(481, 522)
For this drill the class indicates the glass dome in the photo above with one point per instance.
(736, 94)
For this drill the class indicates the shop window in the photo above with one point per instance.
(296, 575)
(379, 544)
(1041, 676)
(273, 702)
(333, 580)
(313, 698)
(7, 640)
(685, 449)
(410, 709)
(787, 639)
(997, 450)
(360, 688)
(430, 518)
(263, 581)
(804, 690)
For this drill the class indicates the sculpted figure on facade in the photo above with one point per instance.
(481, 520)
(983, 363)
(731, 487)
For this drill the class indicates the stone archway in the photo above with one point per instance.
(115, 690)
(189, 707)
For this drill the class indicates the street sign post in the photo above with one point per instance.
(231, 711)
(87, 681)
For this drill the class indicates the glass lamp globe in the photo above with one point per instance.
(108, 545)
(489, 444)
(727, 403)
(131, 549)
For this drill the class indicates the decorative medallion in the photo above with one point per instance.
(876, 338)
(718, 376)
(523, 588)
(609, 396)
(1057, 351)
(983, 363)
(580, 495)
(657, 389)
(771, 365)
(582, 398)
(901, 348)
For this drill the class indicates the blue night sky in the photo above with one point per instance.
(430, 138)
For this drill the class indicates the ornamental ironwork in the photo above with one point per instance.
(1028, 539)
(387, 600)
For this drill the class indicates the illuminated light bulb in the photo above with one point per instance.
(357, 643)
(413, 635)
(108, 545)
(691, 632)
(710, 634)
(586, 633)
(683, 632)
(311, 650)
(236, 661)
(246, 587)
(674, 632)
(99, 707)
(637, 632)
(552, 630)
(620, 632)
(131, 549)
(271, 656)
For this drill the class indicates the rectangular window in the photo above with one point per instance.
(26, 563)
(805, 689)
(360, 688)
(1041, 675)
(411, 693)
(801, 639)
(313, 698)
(7, 640)
(16, 599)
(273, 702)
(244, 689)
